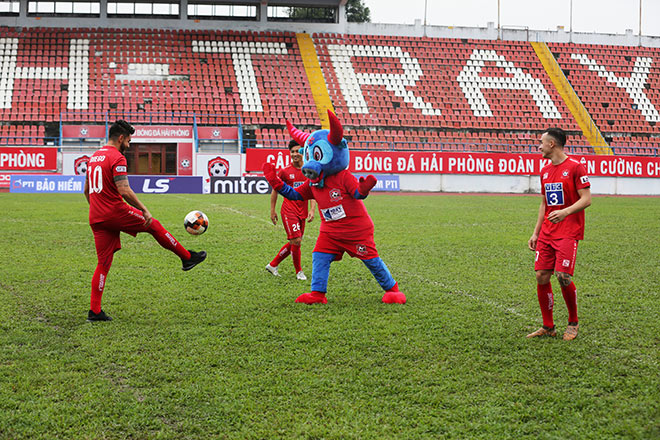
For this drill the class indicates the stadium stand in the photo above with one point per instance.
(391, 92)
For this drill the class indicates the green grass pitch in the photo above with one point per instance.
(224, 352)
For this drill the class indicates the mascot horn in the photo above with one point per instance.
(345, 223)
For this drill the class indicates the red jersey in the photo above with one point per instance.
(559, 186)
(105, 202)
(341, 214)
(293, 177)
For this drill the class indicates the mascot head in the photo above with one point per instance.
(325, 152)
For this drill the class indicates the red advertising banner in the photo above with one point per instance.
(28, 159)
(399, 162)
(162, 132)
(217, 133)
(83, 131)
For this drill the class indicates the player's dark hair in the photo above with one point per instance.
(120, 127)
(557, 134)
(292, 144)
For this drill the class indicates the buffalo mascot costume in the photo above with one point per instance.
(345, 223)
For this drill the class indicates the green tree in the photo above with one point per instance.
(357, 12)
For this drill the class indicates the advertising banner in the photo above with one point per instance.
(83, 131)
(229, 133)
(239, 185)
(4, 180)
(398, 162)
(44, 183)
(28, 159)
(74, 163)
(161, 132)
(385, 182)
(166, 184)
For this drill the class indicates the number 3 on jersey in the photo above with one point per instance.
(554, 194)
(96, 180)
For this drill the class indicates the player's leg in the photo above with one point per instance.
(106, 242)
(564, 269)
(543, 264)
(281, 255)
(134, 223)
(295, 249)
(189, 259)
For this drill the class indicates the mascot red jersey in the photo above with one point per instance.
(345, 223)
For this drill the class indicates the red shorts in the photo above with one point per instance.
(293, 225)
(364, 249)
(558, 255)
(106, 234)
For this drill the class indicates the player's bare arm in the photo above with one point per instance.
(583, 203)
(127, 193)
(311, 210)
(537, 228)
(86, 190)
(273, 206)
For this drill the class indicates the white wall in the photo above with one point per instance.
(520, 184)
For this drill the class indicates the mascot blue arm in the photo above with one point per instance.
(290, 193)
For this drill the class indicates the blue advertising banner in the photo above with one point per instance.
(46, 183)
(386, 182)
(166, 184)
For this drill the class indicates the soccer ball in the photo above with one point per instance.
(196, 222)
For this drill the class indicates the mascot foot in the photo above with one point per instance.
(313, 298)
(393, 296)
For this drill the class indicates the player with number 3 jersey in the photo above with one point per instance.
(566, 193)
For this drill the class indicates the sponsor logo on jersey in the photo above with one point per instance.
(554, 194)
(361, 249)
(292, 176)
(120, 169)
(297, 184)
(564, 174)
(566, 263)
(335, 195)
(333, 213)
(545, 176)
(584, 179)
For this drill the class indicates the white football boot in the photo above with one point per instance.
(301, 276)
(272, 269)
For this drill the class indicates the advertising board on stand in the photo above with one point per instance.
(416, 162)
(46, 183)
(166, 184)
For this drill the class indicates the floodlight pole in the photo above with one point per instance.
(425, 4)
(499, 27)
(640, 22)
(570, 36)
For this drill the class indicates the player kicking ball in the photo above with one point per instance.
(106, 188)
(294, 214)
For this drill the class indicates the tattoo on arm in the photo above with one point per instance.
(120, 178)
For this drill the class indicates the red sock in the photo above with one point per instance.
(98, 283)
(546, 301)
(570, 297)
(295, 255)
(281, 255)
(166, 240)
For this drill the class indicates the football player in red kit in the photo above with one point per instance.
(294, 214)
(566, 193)
(106, 188)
